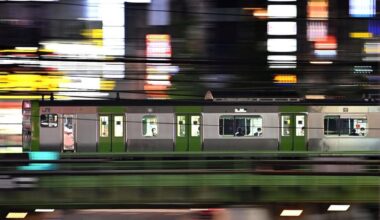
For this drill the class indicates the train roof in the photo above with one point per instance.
(133, 102)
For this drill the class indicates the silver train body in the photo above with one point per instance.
(86, 124)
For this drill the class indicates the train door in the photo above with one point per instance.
(111, 133)
(188, 132)
(292, 131)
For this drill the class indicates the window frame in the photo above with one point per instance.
(340, 135)
(47, 119)
(234, 126)
(142, 126)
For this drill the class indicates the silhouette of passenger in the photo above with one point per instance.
(353, 132)
(154, 132)
(239, 132)
(362, 131)
(258, 132)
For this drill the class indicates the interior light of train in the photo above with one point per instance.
(282, 11)
(362, 8)
(282, 57)
(325, 53)
(282, 28)
(282, 45)
(317, 9)
(338, 208)
(321, 62)
(12, 215)
(289, 212)
(362, 35)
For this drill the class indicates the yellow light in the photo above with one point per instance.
(10, 150)
(321, 62)
(30, 82)
(158, 37)
(38, 97)
(285, 78)
(315, 97)
(362, 35)
(16, 215)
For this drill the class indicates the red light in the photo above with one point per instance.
(328, 43)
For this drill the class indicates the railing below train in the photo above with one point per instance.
(48, 179)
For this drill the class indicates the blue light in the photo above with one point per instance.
(41, 166)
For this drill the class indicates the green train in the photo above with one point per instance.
(272, 125)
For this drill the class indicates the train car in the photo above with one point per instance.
(203, 125)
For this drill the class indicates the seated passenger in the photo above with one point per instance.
(258, 132)
(362, 131)
(239, 132)
(353, 132)
(154, 132)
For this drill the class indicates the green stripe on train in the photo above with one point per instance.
(35, 145)
(110, 142)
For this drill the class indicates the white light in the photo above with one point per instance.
(282, 66)
(338, 208)
(282, 45)
(282, 11)
(316, 30)
(138, 1)
(281, 61)
(321, 62)
(282, 28)
(327, 53)
(44, 210)
(26, 48)
(315, 97)
(286, 212)
(282, 57)
(240, 110)
(362, 8)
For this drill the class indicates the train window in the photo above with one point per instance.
(181, 126)
(118, 126)
(300, 125)
(49, 120)
(195, 126)
(150, 126)
(285, 125)
(104, 126)
(345, 125)
(240, 126)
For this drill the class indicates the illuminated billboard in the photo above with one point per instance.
(362, 8)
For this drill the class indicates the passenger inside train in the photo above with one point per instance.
(258, 133)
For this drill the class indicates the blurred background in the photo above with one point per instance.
(180, 49)
(149, 49)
